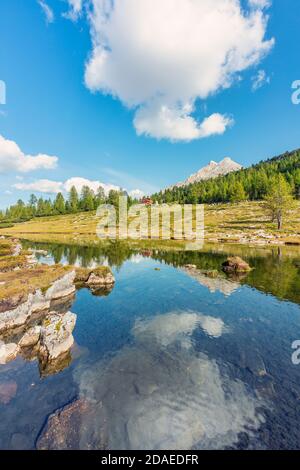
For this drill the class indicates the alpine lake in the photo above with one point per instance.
(170, 358)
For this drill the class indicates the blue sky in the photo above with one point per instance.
(102, 123)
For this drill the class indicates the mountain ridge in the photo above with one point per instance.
(210, 171)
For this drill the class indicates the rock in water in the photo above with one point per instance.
(235, 264)
(8, 352)
(56, 335)
(54, 366)
(7, 391)
(98, 278)
(64, 427)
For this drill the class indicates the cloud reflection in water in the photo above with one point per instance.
(160, 393)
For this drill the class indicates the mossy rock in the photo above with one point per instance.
(235, 264)
(83, 274)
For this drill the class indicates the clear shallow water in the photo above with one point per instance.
(172, 359)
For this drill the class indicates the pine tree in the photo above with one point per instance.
(100, 197)
(87, 199)
(237, 192)
(59, 204)
(279, 199)
(73, 200)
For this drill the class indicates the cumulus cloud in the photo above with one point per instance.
(259, 80)
(176, 123)
(13, 159)
(41, 186)
(160, 57)
(94, 185)
(48, 12)
(54, 187)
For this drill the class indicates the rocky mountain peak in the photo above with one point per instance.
(212, 170)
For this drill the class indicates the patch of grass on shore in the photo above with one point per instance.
(24, 281)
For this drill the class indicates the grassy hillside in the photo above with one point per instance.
(244, 222)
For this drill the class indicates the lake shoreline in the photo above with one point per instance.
(241, 223)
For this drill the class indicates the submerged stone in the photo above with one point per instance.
(64, 428)
(7, 391)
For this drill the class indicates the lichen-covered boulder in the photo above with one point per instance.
(100, 276)
(56, 335)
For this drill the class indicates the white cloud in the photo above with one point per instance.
(259, 80)
(41, 186)
(94, 185)
(176, 123)
(48, 12)
(54, 187)
(13, 159)
(160, 57)
(75, 9)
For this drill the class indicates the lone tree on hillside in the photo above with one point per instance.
(279, 199)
